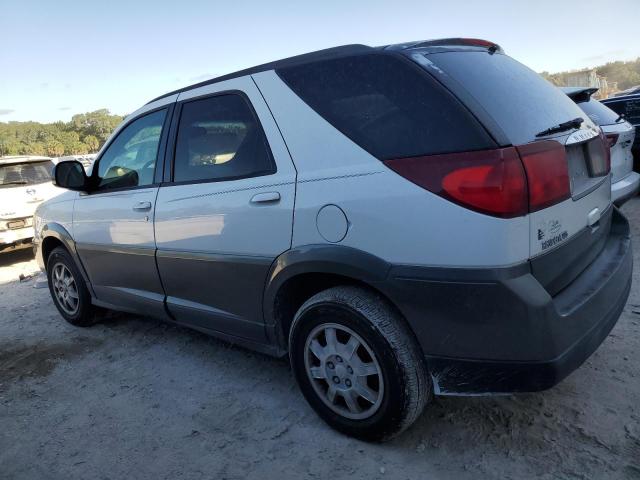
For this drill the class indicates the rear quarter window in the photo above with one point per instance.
(387, 106)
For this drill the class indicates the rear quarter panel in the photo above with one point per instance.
(388, 216)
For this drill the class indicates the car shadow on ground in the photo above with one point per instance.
(526, 426)
(11, 257)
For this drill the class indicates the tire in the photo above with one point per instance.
(77, 311)
(331, 377)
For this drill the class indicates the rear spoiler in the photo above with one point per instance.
(579, 94)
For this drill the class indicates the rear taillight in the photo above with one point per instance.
(506, 182)
(547, 173)
(612, 139)
(488, 181)
(598, 150)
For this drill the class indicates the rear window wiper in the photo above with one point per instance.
(562, 127)
(620, 117)
(14, 183)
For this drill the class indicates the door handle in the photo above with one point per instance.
(142, 207)
(266, 197)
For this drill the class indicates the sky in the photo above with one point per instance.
(62, 57)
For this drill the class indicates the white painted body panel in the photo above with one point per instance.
(109, 219)
(219, 217)
(569, 216)
(388, 216)
(56, 210)
(621, 155)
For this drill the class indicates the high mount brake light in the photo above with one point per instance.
(506, 182)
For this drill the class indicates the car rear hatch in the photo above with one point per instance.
(563, 152)
(619, 133)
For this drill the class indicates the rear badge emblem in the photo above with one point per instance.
(550, 234)
(581, 136)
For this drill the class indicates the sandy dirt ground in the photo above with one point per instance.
(135, 398)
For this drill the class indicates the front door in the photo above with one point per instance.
(113, 225)
(227, 212)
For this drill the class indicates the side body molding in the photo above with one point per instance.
(308, 259)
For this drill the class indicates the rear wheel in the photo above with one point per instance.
(68, 289)
(357, 363)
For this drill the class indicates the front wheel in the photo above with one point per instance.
(358, 364)
(68, 289)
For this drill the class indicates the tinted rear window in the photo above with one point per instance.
(387, 106)
(518, 99)
(598, 112)
(31, 173)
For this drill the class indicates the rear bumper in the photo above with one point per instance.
(500, 331)
(625, 188)
(15, 238)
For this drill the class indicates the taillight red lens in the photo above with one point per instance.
(488, 181)
(612, 139)
(547, 173)
(609, 140)
(506, 182)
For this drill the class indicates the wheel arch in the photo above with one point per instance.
(55, 235)
(300, 273)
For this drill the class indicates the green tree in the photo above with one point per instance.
(77, 148)
(54, 148)
(91, 142)
(33, 138)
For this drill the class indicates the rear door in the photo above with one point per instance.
(226, 210)
(113, 225)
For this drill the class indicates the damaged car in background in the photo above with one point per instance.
(423, 218)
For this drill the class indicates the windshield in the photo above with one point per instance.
(30, 173)
(516, 97)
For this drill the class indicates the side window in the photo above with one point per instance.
(220, 138)
(386, 106)
(130, 160)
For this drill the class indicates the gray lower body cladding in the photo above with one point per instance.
(500, 330)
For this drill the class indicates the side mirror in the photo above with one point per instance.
(70, 175)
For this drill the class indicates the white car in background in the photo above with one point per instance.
(25, 182)
(620, 135)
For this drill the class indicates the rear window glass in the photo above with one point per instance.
(386, 106)
(598, 112)
(219, 138)
(31, 173)
(518, 99)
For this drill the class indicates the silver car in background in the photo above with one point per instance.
(620, 135)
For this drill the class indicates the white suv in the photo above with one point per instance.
(423, 218)
(25, 182)
(620, 135)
